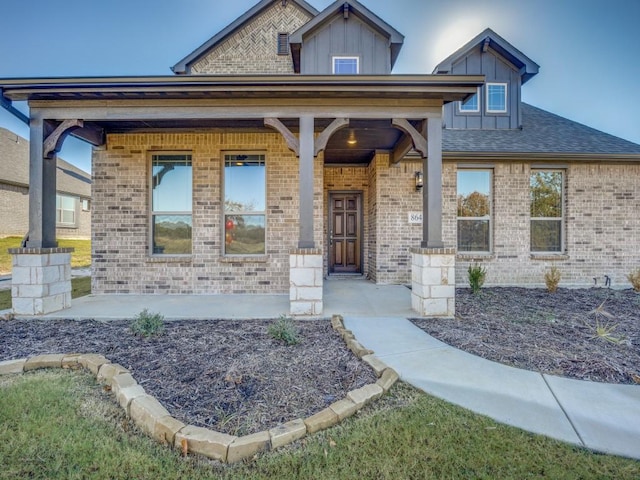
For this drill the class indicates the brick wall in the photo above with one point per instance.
(602, 225)
(253, 49)
(122, 263)
(14, 210)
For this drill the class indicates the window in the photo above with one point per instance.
(346, 65)
(283, 44)
(471, 104)
(546, 188)
(474, 210)
(496, 97)
(171, 182)
(244, 204)
(86, 205)
(66, 210)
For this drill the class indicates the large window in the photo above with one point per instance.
(471, 104)
(66, 210)
(244, 204)
(496, 97)
(171, 186)
(346, 65)
(474, 210)
(546, 188)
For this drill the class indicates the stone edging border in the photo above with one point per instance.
(153, 419)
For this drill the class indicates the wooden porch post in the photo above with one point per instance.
(432, 191)
(306, 182)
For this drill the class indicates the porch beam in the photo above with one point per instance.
(53, 142)
(306, 161)
(292, 142)
(405, 144)
(418, 140)
(323, 138)
(432, 191)
(42, 190)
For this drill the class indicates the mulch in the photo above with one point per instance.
(230, 376)
(586, 334)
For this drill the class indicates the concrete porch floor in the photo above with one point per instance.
(352, 297)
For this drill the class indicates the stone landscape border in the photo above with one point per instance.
(153, 419)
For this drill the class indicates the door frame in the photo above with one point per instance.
(361, 239)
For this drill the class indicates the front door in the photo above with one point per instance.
(345, 232)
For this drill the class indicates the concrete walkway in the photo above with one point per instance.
(599, 416)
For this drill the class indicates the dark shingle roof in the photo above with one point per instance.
(14, 167)
(542, 132)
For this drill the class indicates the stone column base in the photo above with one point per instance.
(305, 281)
(433, 281)
(40, 280)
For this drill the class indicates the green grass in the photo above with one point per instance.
(80, 286)
(58, 424)
(81, 257)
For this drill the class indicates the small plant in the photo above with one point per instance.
(477, 275)
(147, 324)
(602, 328)
(634, 278)
(284, 329)
(552, 279)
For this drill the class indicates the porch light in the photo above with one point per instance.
(352, 138)
(419, 181)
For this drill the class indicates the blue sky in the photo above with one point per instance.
(587, 49)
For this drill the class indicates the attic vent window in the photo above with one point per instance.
(283, 44)
(496, 98)
(346, 65)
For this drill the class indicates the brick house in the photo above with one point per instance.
(284, 152)
(73, 192)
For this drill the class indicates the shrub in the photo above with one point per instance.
(634, 278)
(147, 324)
(552, 279)
(477, 275)
(603, 329)
(284, 329)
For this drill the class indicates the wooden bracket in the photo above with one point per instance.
(292, 141)
(323, 138)
(418, 139)
(53, 143)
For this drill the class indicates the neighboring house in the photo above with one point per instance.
(284, 152)
(73, 192)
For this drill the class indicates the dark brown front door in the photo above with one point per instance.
(345, 233)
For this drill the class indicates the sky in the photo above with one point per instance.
(588, 50)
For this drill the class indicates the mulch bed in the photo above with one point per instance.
(553, 333)
(230, 376)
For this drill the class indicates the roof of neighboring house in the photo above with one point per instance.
(490, 39)
(14, 167)
(183, 66)
(542, 132)
(395, 37)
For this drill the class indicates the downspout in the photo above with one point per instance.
(6, 104)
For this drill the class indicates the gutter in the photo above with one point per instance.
(7, 105)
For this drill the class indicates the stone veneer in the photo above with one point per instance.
(41, 280)
(433, 288)
(306, 279)
(154, 420)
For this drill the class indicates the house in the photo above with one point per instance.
(73, 192)
(284, 152)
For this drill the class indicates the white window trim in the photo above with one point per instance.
(153, 213)
(506, 98)
(344, 57)
(262, 212)
(476, 110)
(562, 218)
(62, 224)
(490, 218)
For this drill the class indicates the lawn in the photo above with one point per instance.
(59, 424)
(80, 286)
(81, 257)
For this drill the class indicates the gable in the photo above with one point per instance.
(249, 45)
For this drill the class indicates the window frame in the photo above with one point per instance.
(561, 219)
(86, 204)
(59, 218)
(345, 57)
(489, 251)
(478, 102)
(262, 213)
(153, 213)
(488, 97)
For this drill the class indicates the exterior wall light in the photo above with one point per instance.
(419, 181)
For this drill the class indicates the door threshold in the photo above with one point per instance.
(347, 276)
